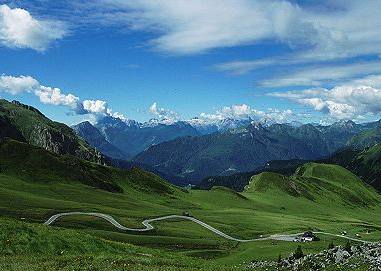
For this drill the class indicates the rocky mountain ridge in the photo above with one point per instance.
(27, 124)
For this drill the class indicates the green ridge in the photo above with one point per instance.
(25, 123)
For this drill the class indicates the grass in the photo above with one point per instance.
(322, 197)
(367, 138)
(27, 246)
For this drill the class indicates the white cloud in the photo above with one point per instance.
(244, 111)
(54, 96)
(98, 109)
(16, 85)
(240, 67)
(18, 29)
(187, 27)
(319, 75)
(116, 115)
(163, 114)
(342, 29)
(317, 37)
(48, 95)
(235, 112)
(315, 33)
(371, 80)
(325, 33)
(95, 106)
(342, 102)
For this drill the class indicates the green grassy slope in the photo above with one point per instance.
(364, 163)
(275, 205)
(316, 182)
(25, 246)
(368, 164)
(238, 181)
(38, 165)
(367, 138)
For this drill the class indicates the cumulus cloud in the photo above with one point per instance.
(49, 95)
(19, 29)
(95, 106)
(163, 114)
(342, 102)
(55, 96)
(16, 85)
(242, 111)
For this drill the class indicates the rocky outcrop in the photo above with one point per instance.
(53, 141)
(368, 255)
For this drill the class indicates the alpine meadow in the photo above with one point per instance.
(175, 135)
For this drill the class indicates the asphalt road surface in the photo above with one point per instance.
(147, 227)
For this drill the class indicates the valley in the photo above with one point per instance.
(184, 153)
(37, 184)
(202, 135)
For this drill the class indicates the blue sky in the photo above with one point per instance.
(284, 60)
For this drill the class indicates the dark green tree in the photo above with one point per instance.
(298, 253)
(347, 246)
(279, 258)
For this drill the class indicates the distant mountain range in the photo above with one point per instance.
(95, 138)
(248, 148)
(128, 137)
(364, 163)
(189, 151)
(132, 137)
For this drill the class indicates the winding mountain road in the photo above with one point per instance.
(147, 227)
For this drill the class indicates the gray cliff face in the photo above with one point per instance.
(52, 141)
(60, 143)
